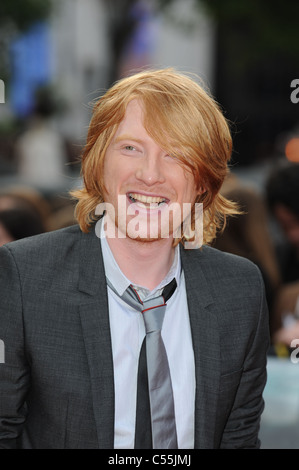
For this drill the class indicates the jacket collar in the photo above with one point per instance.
(94, 316)
(91, 268)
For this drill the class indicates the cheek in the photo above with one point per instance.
(110, 172)
(191, 191)
(116, 175)
(107, 169)
(188, 187)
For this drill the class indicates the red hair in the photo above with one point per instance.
(182, 117)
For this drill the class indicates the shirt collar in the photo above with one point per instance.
(120, 282)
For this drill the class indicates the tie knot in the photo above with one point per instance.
(153, 310)
(153, 314)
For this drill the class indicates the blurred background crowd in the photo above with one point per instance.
(57, 56)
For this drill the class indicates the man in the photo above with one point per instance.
(157, 148)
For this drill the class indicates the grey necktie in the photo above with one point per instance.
(156, 381)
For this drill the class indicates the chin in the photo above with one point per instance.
(145, 237)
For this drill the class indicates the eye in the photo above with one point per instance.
(130, 148)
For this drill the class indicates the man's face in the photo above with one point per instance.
(155, 190)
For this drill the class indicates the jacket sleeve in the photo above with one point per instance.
(14, 369)
(242, 427)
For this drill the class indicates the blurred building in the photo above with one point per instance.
(74, 52)
(80, 59)
(82, 41)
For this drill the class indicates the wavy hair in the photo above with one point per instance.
(183, 118)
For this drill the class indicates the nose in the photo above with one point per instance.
(150, 170)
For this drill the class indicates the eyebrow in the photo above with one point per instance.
(127, 137)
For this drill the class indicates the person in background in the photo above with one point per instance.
(28, 198)
(41, 150)
(128, 330)
(19, 223)
(22, 214)
(282, 193)
(248, 234)
(53, 211)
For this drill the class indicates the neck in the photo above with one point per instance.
(143, 263)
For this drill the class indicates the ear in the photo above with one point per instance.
(201, 190)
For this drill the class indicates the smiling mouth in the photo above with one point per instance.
(148, 201)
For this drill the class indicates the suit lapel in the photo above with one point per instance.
(96, 332)
(206, 345)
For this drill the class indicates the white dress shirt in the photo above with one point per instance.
(127, 333)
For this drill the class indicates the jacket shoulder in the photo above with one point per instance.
(226, 274)
(44, 241)
(48, 251)
(211, 257)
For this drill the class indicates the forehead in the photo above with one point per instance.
(133, 118)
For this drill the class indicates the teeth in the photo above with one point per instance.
(146, 199)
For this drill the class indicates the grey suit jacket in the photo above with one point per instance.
(56, 384)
